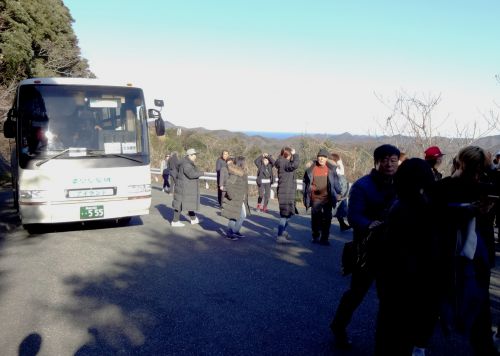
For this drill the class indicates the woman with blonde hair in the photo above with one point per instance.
(467, 244)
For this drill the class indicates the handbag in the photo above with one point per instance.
(348, 258)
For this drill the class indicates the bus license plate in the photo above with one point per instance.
(92, 212)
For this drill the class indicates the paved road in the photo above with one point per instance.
(150, 289)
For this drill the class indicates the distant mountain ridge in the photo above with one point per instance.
(274, 139)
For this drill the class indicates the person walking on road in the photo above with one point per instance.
(321, 190)
(265, 179)
(370, 198)
(286, 164)
(341, 208)
(173, 168)
(465, 199)
(221, 162)
(187, 190)
(235, 198)
(165, 172)
(408, 265)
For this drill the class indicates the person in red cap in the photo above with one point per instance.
(433, 156)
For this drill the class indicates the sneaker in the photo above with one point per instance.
(259, 207)
(231, 236)
(345, 227)
(195, 221)
(264, 209)
(281, 239)
(176, 223)
(287, 235)
(239, 234)
(418, 351)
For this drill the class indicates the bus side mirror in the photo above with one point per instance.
(154, 114)
(159, 123)
(9, 129)
(9, 126)
(160, 127)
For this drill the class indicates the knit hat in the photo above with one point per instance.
(323, 152)
(433, 152)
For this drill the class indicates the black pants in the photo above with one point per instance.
(321, 219)
(166, 183)
(219, 191)
(264, 193)
(361, 281)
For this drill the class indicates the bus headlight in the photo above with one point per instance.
(33, 194)
(139, 188)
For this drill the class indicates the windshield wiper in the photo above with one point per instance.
(93, 154)
(38, 164)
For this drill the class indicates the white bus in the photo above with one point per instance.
(82, 150)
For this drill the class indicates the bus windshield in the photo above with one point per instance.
(82, 120)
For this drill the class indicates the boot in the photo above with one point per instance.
(343, 225)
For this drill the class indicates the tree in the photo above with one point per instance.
(36, 40)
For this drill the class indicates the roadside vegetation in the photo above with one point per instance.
(37, 39)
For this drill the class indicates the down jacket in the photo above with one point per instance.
(235, 193)
(287, 184)
(334, 187)
(264, 171)
(187, 190)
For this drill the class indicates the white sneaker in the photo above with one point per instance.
(281, 239)
(195, 221)
(176, 223)
(418, 351)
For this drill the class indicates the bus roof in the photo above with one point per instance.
(74, 81)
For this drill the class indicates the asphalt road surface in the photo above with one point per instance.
(152, 289)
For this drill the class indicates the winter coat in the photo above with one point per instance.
(465, 280)
(173, 166)
(187, 190)
(287, 184)
(370, 199)
(264, 171)
(218, 165)
(223, 176)
(334, 187)
(236, 193)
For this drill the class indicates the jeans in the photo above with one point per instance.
(264, 193)
(166, 183)
(282, 225)
(234, 226)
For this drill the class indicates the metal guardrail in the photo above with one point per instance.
(252, 180)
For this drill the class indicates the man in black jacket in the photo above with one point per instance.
(370, 198)
(221, 162)
(320, 193)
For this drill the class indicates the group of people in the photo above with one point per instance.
(428, 243)
(325, 190)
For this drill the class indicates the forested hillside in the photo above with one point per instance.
(36, 39)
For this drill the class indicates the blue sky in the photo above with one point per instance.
(301, 66)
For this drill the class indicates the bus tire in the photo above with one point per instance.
(123, 221)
